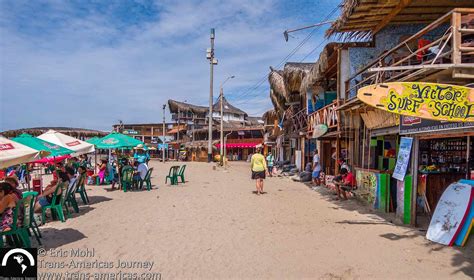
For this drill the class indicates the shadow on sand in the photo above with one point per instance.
(463, 259)
(53, 238)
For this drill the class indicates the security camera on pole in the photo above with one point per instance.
(212, 62)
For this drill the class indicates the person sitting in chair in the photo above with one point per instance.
(344, 183)
(45, 198)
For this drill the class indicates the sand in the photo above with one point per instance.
(214, 227)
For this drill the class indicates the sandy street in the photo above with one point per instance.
(214, 227)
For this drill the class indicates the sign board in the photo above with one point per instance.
(403, 158)
(425, 100)
(412, 125)
(130, 132)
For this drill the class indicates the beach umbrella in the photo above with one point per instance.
(78, 146)
(117, 140)
(13, 153)
(92, 140)
(42, 145)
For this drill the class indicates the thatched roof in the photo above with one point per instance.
(361, 19)
(323, 70)
(277, 85)
(74, 132)
(227, 107)
(174, 106)
(294, 74)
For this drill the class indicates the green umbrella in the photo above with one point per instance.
(116, 140)
(41, 145)
(92, 140)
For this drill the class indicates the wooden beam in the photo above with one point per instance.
(456, 43)
(401, 5)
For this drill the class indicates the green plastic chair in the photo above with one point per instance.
(81, 189)
(181, 174)
(31, 224)
(127, 178)
(71, 199)
(56, 206)
(147, 179)
(19, 233)
(173, 175)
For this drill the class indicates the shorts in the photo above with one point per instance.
(258, 175)
(43, 201)
(315, 174)
(270, 169)
(346, 188)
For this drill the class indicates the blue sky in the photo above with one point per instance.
(90, 63)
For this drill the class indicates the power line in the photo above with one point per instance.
(286, 58)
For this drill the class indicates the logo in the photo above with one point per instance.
(8, 146)
(410, 120)
(74, 143)
(110, 141)
(18, 263)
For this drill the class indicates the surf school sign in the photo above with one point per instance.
(425, 100)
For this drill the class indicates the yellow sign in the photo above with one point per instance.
(425, 100)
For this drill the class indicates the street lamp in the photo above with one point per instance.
(212, 62)
(222, 118)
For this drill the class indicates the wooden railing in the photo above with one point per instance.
(404, 63)
(245, 140)
(298, 120)
(326, 115)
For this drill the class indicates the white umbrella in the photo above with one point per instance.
(13, 153)
(78, 146)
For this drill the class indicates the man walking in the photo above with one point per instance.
(270, 160)
(316, 168)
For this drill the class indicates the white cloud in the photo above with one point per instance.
(88, 71)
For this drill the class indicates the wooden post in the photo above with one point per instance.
(456, 38)
(414, 174)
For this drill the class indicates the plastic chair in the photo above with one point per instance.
(127, 178)
(147, 179)
(56, 206)
(173, 175)
(31, 217)
(19, 233)
(180, 174)
(81, 189)
(71, 199)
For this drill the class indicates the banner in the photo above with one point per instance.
(403, 158)
(425, 100)
(412, 125)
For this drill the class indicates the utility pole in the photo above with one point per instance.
(212, 61)
(222, 119)
(177, 134)
(164, 137)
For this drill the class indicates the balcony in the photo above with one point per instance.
(447, 57)
(326, 115)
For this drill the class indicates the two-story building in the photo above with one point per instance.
(242, 133)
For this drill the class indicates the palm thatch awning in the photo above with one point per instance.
(74, 132)
(186, 107)
(294, 73)
(361, 19)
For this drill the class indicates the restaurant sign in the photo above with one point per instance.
(130, 132)
(440, 102)
(413, 125)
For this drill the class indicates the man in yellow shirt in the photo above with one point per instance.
(259, 169)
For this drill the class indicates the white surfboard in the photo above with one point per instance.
(450, 214)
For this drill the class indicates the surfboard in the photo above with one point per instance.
(319, 130)
(466, 229)
(450, 214)
(440, 102)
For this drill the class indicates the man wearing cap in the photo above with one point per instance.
(140, 155)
